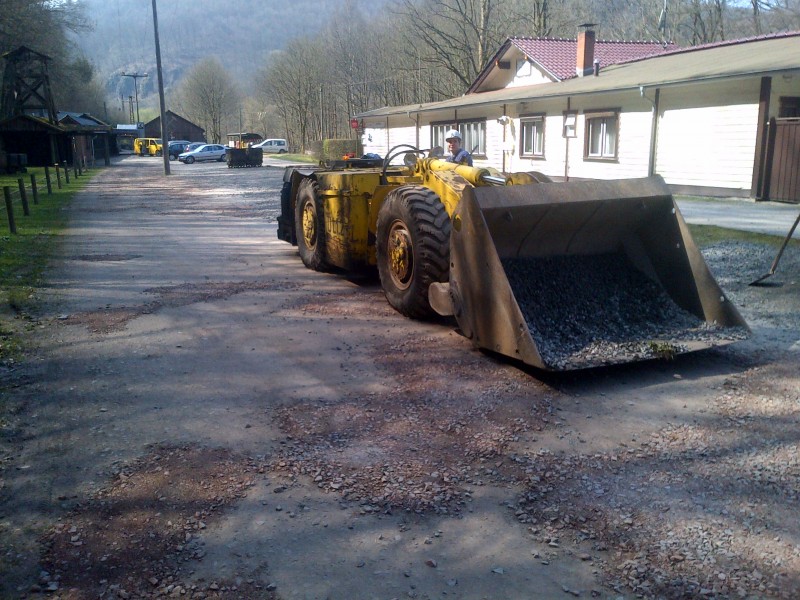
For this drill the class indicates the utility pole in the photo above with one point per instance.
(136, 77)
(161, 101)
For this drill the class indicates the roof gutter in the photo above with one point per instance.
(573, 93)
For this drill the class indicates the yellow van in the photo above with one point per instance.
(147, 147)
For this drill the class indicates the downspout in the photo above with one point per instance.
(416, 126)
(566, 146)
(651, 161)
(504, 140)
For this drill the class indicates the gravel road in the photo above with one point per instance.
(204, 418)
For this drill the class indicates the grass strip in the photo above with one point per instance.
(25, 255)
(304, 158)
(706, 235)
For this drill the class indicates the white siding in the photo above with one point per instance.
(406, 134)
(494, 145)
(554, 148)
(374, 139)
(706, 133)
(633, 149)
(529, 75)
(379, 140)
(708, 146)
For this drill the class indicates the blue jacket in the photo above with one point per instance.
(462, 157)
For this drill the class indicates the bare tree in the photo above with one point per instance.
(293, 82)
(757, 4)
(80, 90)
(427, 50)
(208, 96)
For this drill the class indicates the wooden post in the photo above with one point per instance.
(47, 178)
(12, 227)
(26, 210)
(34, 189)
(58, 176)
(66, 172)
(75, 168)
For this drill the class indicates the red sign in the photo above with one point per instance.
(353, 123)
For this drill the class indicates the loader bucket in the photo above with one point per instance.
(566, 276)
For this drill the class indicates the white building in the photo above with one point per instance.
(719, 119)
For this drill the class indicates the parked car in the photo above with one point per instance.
(176, 147)
(192, 146)
(203, 152)
(273, 146)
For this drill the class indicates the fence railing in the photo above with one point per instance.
(20, 191)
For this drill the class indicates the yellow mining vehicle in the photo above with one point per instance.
(558, 275)
(147, 146)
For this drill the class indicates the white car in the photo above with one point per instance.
(273, 146)
(204, 152)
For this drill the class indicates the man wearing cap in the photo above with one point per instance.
(457, 153)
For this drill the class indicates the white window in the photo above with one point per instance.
(438, 132)
(532, 140)
(473, 135)
(601, 135)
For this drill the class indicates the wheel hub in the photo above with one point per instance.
(401, 256)
(309, 225)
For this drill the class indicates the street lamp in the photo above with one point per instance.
(135, 77)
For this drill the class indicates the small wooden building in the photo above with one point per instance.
(178, 128)
(90, 138)
(42, 142)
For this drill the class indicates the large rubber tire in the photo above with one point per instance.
(309, 223)
(286, 229)
(413, 248)
(189, 160)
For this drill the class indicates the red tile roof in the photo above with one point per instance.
(558, 56)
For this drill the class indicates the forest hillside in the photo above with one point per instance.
(240, 33)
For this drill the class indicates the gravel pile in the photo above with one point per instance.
(585, 311)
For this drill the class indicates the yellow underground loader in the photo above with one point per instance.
(560, 276)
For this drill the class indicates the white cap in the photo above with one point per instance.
(453, 133)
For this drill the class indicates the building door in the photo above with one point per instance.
(782, 181)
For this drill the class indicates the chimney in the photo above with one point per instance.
(585, 58)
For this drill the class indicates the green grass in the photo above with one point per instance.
(705, 235)
(295, 158)
(25, 255)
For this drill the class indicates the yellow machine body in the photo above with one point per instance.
(550, 274)
(147, 146)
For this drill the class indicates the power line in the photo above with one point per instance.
(136, 77)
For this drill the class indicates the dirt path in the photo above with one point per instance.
(205, 418)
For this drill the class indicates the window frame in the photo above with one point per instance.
(532, 118)
(604, 116)
(467, 136)
(438, 130)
